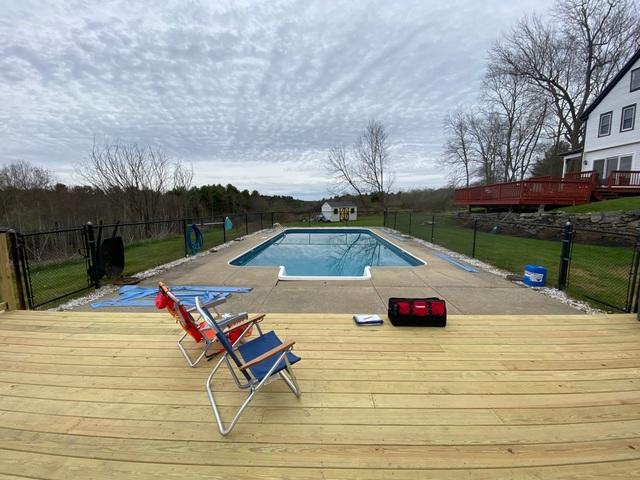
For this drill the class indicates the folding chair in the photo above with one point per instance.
(260, 361)
(198, 329)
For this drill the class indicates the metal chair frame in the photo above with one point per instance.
(223, 319)
(253, 384)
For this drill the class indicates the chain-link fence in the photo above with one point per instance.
(59, 264)
(54, 265)
(603, 266)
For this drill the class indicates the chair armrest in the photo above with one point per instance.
(274, 351)
(249, 321)
(213, 303)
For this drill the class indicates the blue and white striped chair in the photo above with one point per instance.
(260, 361)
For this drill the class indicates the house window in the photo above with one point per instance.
(635, 79)
(628, 118)
(605, 124)
(625, 163)
(353, 210)
(612, 165)
(598, 167)
(335, 211)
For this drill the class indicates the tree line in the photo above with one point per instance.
(540, 77)
(123, 182)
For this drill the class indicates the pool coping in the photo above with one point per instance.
(282, 272)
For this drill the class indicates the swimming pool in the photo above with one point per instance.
(326, 254)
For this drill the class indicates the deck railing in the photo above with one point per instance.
(547, 190)
(623, 178)
(587, 176)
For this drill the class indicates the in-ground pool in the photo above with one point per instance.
(326, 254)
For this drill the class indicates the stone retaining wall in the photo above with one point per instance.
(548, 225)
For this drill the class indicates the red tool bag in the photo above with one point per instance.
(417, 312)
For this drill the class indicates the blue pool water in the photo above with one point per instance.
(327, 252)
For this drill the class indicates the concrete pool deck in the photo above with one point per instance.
(465, 292)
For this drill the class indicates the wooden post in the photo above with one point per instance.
(10, 289)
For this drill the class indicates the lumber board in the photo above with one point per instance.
(108, 395)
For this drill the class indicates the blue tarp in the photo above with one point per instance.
(136, 296)
(457, 263)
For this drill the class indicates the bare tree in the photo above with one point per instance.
(571, 58)
(366, 170)
(521, 114)
(372, 152)
(182, 177)
(24, 176)
(487, 133)
(343, 170)
(458, 147)
(132, 177)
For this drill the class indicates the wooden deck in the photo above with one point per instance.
(108, 396)
(574, 188)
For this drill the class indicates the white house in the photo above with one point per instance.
(612, 134)
(337, 211)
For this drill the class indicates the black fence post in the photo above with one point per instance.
(384, 218)
(224, 230)
(475, 235)
(410, 215)
(633, 289)
(184, 235)
(93, 255)
(261, 221)
(246, 223)
(272, 219)
(395, 219)
(433, 226)
(565, 255)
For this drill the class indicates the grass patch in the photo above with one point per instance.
(53, 280)
(625, 204)
(362, 221)
(599, 274)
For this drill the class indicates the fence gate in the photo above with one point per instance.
(633, 291)
(55, 264)
(611, 281)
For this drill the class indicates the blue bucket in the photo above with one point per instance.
(534, 276)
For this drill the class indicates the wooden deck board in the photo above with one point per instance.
(107, 395)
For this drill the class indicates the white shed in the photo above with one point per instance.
(339, 211)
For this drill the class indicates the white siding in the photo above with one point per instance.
(617, 143)
(327, 211)
(633, 149)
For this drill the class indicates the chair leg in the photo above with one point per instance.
(192, 363)
(291, 381)
(214, 406)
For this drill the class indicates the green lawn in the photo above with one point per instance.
(625, 204)
(362, 221)
(52, 280)
(598, 273)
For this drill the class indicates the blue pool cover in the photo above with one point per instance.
(327, 252)
(136, 296)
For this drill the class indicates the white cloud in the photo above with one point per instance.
(241, 87)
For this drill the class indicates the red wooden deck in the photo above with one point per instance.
(574, 189)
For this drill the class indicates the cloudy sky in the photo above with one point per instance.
(252, 93)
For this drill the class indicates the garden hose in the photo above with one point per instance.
(194, 245)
